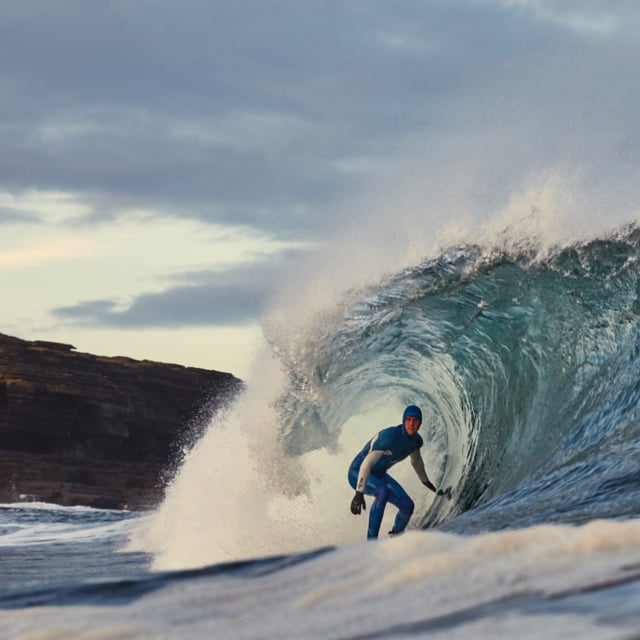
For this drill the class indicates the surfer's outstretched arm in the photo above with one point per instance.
(418, 464)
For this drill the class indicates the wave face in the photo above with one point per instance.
(527, 369)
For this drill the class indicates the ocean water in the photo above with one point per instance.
(526, 362)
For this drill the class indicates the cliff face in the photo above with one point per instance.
(76, 428)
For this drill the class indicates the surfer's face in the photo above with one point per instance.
(411, 425)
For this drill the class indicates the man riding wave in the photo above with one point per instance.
(368, 472)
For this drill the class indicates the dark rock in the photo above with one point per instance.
(107, 432)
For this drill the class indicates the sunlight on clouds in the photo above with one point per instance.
(62, 248)
(406, 42)
(64, 260)
(577, 17)
(52, 205)
(66, 128)
(146, 240)
(142, 249)
(245, 130)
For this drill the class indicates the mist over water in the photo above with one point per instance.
(241, 494)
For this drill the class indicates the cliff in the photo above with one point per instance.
(107, 432)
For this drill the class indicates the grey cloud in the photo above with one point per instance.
(270, 114)
(99, 89)
(13, 215)
(204, 298)
(197, 305)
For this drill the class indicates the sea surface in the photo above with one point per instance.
(527, 367)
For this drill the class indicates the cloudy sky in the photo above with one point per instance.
(165, 165)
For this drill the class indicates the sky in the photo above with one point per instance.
(167, 167)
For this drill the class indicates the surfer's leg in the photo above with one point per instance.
(375, 487)
(381, 494)
(399, 498)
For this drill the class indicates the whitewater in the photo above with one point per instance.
(523, 350)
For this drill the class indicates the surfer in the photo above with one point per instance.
(368, 472)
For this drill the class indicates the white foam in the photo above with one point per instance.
(240, 496)
(444, 584)
(59, 533)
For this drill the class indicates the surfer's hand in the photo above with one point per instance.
(446, 493)
(429, 485)
(358, 503)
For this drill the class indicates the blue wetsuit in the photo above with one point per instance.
(394, 444)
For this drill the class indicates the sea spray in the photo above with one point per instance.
(240, 494)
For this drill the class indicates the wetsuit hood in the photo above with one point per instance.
(412, 410)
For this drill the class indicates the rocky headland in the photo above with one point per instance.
(108, 432)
